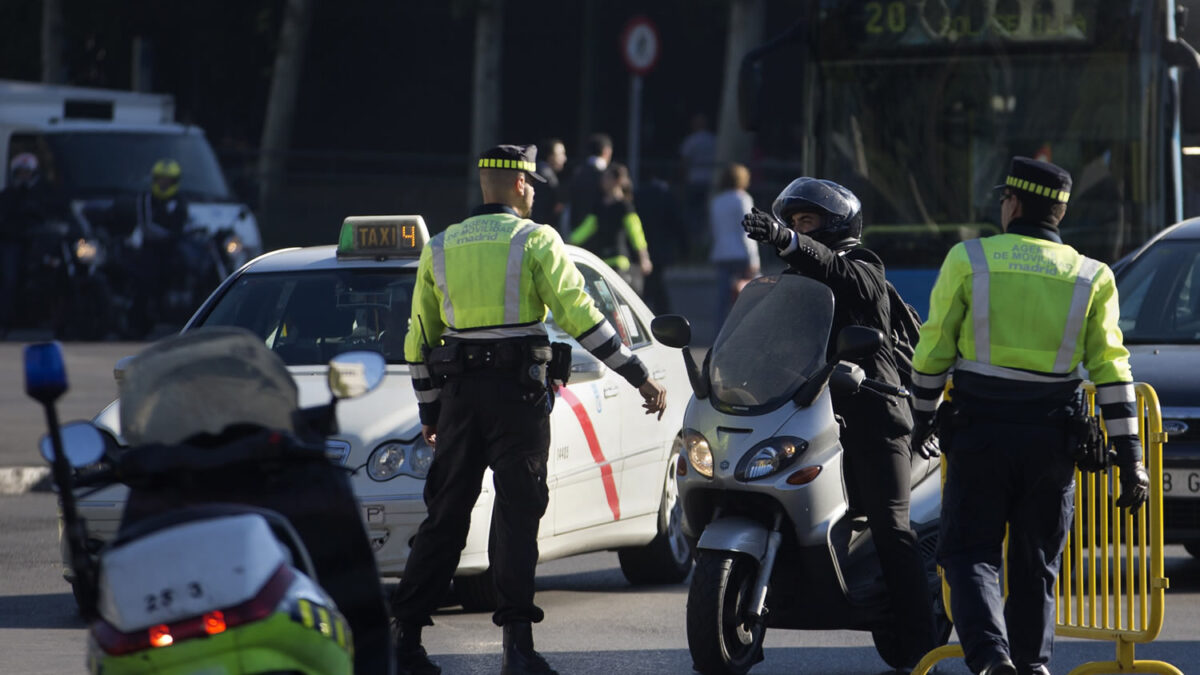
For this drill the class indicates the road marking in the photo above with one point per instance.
(15, 480)
(610, 486)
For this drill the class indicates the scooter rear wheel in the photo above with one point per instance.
(722, 637)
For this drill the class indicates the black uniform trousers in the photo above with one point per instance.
(1020, 475)
(487, 419)
(880, 470)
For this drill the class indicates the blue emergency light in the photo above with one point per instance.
(45, 372)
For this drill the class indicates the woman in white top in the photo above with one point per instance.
(734, 255)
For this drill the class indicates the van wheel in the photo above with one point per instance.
(667, 559)
(477, 592)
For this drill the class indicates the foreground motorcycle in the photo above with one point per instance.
(241, 549)
(760, 481)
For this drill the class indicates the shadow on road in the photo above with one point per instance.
(45, 610)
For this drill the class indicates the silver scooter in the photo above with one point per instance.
(760, 481)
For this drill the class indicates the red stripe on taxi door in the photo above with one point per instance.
(610, 486)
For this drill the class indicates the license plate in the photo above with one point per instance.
(1181, 483)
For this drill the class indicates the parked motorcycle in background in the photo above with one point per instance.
(241, 549)
(63, 285)
(760, 481)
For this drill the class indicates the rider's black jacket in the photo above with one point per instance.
(860, 299)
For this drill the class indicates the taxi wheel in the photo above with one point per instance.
(477, 592)
(667, 559)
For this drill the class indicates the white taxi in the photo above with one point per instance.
(611, 469)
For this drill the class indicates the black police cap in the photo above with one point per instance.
(1039, 178)
(514, 157)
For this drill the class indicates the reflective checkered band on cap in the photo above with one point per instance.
(1040, 190)
(507, 164)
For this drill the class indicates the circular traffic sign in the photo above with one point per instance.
(639, 45)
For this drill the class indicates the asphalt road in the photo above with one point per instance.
(596, 623)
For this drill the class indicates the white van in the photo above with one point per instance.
(97, 145)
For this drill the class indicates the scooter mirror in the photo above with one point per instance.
(45, 372)
(82, 443)
(673, 330)
(855, 342)
(355, 373)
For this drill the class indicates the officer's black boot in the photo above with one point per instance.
(519, 657)
(411, 658)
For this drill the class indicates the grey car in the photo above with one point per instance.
(1159, 288)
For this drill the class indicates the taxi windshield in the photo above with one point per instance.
(309, 317)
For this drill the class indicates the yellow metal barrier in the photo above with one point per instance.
(1111, 584)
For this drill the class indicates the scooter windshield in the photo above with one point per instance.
(773, 341)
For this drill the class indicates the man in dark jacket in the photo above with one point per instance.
(27, 201)
(820, 240)
(585, 190)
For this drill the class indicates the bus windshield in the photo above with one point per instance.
(923, 144)
(918, 108)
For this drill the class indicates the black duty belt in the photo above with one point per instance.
(463, 356)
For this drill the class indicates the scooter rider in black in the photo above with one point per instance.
(816, 228)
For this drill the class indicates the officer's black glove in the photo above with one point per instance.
(762, 226)
(1135, 482)
(924, 436)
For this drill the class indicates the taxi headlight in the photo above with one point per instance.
(386, 461)
(770, 456)
(395, 458)
(698, 452)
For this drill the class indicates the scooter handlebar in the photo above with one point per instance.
(885, 388)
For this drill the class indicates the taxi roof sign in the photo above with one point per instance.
(382, 237)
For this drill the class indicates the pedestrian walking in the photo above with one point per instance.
(734, 255)
(1014, 315)
(586, 192)
(613, 231)
(551, 200)
(481, 363)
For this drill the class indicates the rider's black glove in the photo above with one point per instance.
(1135, 482)
(924, 435)
(762, 226)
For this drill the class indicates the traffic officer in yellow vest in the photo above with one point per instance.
(1014, 315)
(478, 352)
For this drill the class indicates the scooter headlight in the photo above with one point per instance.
(698, 452)
(395, 458)
(770, 456)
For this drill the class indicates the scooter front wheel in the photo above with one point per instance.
(722, 637)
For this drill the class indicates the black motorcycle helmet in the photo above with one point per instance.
(841, 212)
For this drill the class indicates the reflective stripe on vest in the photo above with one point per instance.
(980, 308)
(512, 272)
(512, 275)
(438, 259)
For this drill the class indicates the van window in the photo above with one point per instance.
(100, 163)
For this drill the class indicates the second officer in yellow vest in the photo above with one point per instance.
(1014, 316)
(479, 355)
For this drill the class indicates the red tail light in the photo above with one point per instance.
(114, 642)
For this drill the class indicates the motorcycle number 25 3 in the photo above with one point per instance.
(164, 598)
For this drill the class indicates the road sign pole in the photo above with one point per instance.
(635, 125)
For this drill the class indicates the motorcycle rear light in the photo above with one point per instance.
(804, 476)
(214, 622)
(116, 643)
(160, 636)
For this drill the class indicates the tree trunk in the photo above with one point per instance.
(281, 101)
(52, 42)
(486, 107)
(746, 19)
